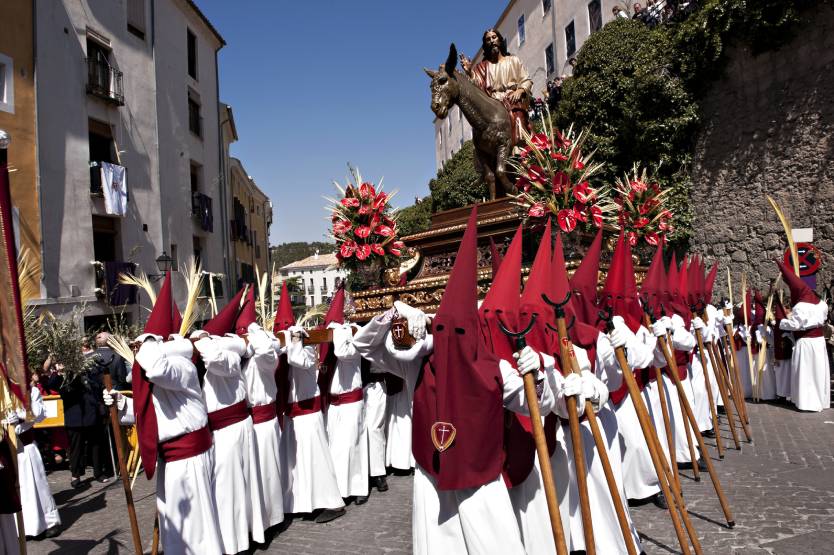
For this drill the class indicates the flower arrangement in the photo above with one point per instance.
(641, 208)
(364, 227)
(555, 178)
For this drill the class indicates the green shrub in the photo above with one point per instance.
(458, 183)
(415, 218)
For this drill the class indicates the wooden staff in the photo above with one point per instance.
(720, 372)
(725, 360)
(687, 429)
(670, 440)
(570, 365)
(736, 372)
(540, 441)
(131, 508)
(673, 367)
(674, 501)
(155, 537)
(713, 414)
(768, 316)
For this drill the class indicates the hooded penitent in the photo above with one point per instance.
(533, 305)
(458, 403)
(224, 321)
(651, 288)
(327, 359)
(583, 283)
(162, 321)
(502, 301)
(495, 256)
(284, 319)
(620, 290)
(709, 283)
(800, 292)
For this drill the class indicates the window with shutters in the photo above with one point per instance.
(191, 39)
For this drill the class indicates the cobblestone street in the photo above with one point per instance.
(780, 488)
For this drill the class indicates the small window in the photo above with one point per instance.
(545, 6)
(521, 35)
(195, 172)
(198, 249)
(6, 84)
(549, 58)
(570, 40)
(136, 17)
(174, 260)
(192, 53)
(195, 122)
(594, 16)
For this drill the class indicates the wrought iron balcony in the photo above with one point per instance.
(202, 211)
(105, 81)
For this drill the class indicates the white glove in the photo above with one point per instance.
(416, 319)
(667, 323)
(590, 391)
(698, 324)
(294, 334)
(572, 385)
(728, 306)
(12, 419)
(527, 360)
(618, 338)
(110, 396)
(659, 328)
(199, 334)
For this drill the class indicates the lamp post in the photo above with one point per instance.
(163, 264)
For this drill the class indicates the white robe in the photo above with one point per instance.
(39, 510)
(810, 372)
(473, 520)
(345, 423)
(185, 499)
(236, 473)
(374, 424)
(259, 377)
(309, 464)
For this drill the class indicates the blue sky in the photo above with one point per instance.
(315, 86)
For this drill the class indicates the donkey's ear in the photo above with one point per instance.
(452, 60)
(429, 72)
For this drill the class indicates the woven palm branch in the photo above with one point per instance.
(193, 274)
(119, 344)
(140, 280)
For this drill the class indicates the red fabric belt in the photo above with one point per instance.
(813, 332)
(186, 446)
(307, 406)
(346, 398)
(227, 416)
(27, 437)
(264, 413)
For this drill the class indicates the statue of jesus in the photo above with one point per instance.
(503, 77)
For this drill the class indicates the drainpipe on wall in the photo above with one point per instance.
(223, 185)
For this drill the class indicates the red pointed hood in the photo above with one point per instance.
(709, 283)
(800, 292)
(161, 321)
(458, 393)
(540, 282)
(584, 281)
(580, 333)
(248, 314)
(651, 290)
(285, 317)
(335, 313)
(503, 298)
(224, 321)
(495, 257)
(676, 296)
(620, 289)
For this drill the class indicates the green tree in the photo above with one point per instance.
(286, 253)
(457, 183)
(415, 218)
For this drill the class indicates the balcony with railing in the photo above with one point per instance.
(202, 212)
(108, 288)
(104, 81)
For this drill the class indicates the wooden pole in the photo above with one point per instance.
(670, 440)
(713, 414)
(687, 429)
(732, 386)
(736, 375)
(155, 537)
(131, 508)
(665, 480)
(567, 356)
(670, 360)
(718, 370)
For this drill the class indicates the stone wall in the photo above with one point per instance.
(767, 129)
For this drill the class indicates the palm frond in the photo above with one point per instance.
(140, 280)
(193, 275)
(119, 344)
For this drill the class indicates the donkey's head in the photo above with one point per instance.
(445, 88)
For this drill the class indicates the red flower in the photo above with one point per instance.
(652, 238)
(579, 165)
(582, 192)
(523, 184)
(536, 173)
(596, 215)
(641, 223)
(365, 210)
(632, 238)
(388, 221)
(362, 231)
(384, 231)
(363, 252)
(376, 248)
(663, 225)
(561, 181)
(350, 202)
(666, 215)
(540, 141)
(536, 211)
(341, 227)
(380, 201)
(396, 248)
(347, 249)
(366, 190)
(567, 220)
(556, 155)
(579, 214)
(638, 186)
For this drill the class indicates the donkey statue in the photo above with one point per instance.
(490, 121)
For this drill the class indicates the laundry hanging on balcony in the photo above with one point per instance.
(114, 187)
(119, 294)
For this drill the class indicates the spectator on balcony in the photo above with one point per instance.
(619, 13)
(639, 13)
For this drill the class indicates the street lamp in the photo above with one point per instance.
(163, 264)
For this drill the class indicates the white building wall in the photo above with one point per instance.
(541, 29)
(314, 281)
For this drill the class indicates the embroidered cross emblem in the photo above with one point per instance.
(442, 435)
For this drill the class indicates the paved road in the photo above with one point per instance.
(781, 490)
